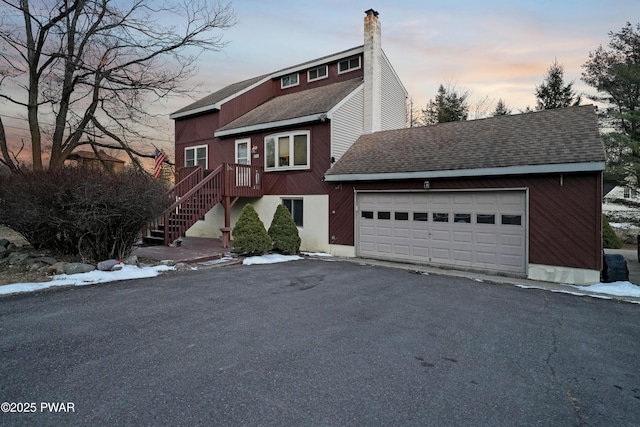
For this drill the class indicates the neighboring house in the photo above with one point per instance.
(514, 194)
(274, 136)
(518, 195)
(101, 161)
(622, 204)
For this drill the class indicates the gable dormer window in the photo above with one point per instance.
(349, 64)
(317, 73)
(290, 80)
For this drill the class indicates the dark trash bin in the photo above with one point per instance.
(615, 268)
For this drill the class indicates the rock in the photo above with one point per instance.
(4, 243)
(109, 264)
(46, 260)
(132, 260)
(17, 257)
(181, 266)
(78, 267)
(57, 268)
(3, 252)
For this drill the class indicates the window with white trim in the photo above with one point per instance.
(295, 207)
(196, 156)
(287, 151)
(317, 73)
(349, 65)
(290, 80)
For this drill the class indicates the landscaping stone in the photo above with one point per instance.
(78, 267)
(57, 268)
(109, 265)
(46, 260)
(17, 257)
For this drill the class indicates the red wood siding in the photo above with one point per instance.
(308, 181)
(333, 77)
(565, 225)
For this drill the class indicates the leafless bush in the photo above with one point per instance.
(81, 211)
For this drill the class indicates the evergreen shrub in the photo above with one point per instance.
(610, 239)
(284, 232)
(250, 237)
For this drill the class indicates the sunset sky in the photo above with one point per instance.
(496, 49)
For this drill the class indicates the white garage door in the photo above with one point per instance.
(477, 229)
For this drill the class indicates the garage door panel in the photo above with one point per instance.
(441, 236)
(406, 231)
(462, 255)
(463, 237)
(487, 238)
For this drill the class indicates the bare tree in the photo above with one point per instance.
(88, 70)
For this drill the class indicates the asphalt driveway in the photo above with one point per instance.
(317, 343)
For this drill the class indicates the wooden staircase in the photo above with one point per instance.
(197, 193)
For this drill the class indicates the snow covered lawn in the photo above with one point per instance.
(96, 276)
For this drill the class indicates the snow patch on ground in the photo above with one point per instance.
(619, 289)
(96, 276)
(318, 254)
(269, 259)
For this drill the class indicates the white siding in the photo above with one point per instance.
(347, 124)
(394, 99)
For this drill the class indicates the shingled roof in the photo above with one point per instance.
(212, 101)
(304, 106)
(559, 140)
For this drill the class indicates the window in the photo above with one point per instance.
(295, 208)
(317, 73)
(196, 156)
(629, 193)
(290, 80)
(384, 215)
(402, 216)
(485, 219)
(420, 216)
(242, 151)
(286, 151)
(440, 217)
(511, 220)
(349, 64)
(464, 218)
(367, 214)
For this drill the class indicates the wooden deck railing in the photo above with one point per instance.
(198, 191)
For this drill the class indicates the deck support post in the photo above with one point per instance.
(226, 230)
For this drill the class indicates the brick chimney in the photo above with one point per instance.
(372, 73)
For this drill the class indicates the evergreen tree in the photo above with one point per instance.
(284, 232)
(501, 109)
(249, 235)
(553, 93)
(449, 105)
(615, 74)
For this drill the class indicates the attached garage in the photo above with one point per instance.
(518, 195)
(479, 229)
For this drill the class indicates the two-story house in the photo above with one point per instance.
(277, 134)
(518, 195)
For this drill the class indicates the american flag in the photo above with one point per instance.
(160, 158)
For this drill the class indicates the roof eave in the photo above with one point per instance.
(319, 61)
(205, 109)
(459, 173)
(271, 125)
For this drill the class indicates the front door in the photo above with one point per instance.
(243, 175)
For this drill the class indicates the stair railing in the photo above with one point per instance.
(193, 204)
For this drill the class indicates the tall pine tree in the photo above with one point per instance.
(553, 92)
